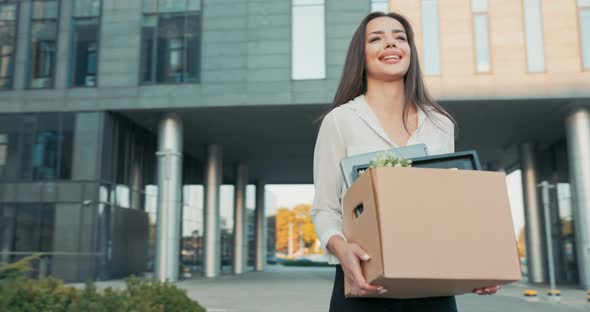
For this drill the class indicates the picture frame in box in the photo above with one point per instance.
(464, 160)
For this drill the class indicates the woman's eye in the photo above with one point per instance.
(373, 39)
(401, 38)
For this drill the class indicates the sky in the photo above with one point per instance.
(294, 194)
(290, 195)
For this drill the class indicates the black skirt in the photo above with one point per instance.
(339, 303)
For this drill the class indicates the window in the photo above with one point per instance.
(431, 40)
(171, 41)
(480, 27)
(3, 152)
(8, 14)
(43, 46)
(380, 6)
(308, 40)
(584, 11)
(533, 25)
(85, 42)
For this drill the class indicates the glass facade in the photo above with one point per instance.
(36, 147)
(191, 247)
(430, 37)
(533, 25)
(584, 16)
(308, 40)
(8, 22)
(86, 24)
(482, 42)
(90, 223)
(226, 224)
(171, 41)
(43, 45)
(380, 6)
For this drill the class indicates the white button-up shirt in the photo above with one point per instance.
(351, 129)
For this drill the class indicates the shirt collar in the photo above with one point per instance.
(364, 111)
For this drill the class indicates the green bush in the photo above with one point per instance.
(19, 293)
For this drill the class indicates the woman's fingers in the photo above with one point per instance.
(360, 253)
(487, 290)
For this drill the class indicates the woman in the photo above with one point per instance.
(381, 103)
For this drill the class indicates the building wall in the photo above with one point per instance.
(246, 59)
(564, 75)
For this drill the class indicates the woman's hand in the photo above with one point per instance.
(350, 256)
(487, 290)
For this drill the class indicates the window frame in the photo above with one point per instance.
(486, 14)
(14, 43)
(30, 56)
(583, 5)
(72, 46)
(439, 50)
(309, 3)
(154, 53)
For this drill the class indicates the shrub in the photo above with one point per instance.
(19, 293)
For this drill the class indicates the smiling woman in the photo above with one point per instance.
(381, 101)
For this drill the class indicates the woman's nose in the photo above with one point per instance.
(391, 43)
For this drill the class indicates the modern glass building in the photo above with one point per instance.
(126, 125)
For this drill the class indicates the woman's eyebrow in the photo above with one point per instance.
(380, 32)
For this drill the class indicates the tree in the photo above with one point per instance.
(521, 243)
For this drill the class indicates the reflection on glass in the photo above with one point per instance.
(431, 43)
(226, 224)
(43, 44)
(85, 52)
(482, 51)
(27, 228)
(3, 151)
(308, 40)
(585, 34)
(122, 195)
(45, 155)
(151, 204)
(170, 42)
(380, 6)
(534, 35)
(7, 223)
(7, 44)
(192, 250)
(251, 226)
(86, 8)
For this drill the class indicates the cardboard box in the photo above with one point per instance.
(432, 232)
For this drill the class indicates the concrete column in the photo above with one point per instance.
(532, 214)
(240, 220)
(64, 36)
(578, 139)
(22, 45)
(260, 227)
(212, 231)
(169, 197)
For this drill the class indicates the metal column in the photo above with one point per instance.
(212, 231)
(240, 220)
(260, 227)
(169, 197)
(532, 214)
(578, 139)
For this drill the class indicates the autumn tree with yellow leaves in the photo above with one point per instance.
(301, 228)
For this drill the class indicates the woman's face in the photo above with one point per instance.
(387, 51)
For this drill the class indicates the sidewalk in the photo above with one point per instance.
(291, 289)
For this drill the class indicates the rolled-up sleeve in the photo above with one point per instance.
(326, 210)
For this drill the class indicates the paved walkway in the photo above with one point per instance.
(288, 289)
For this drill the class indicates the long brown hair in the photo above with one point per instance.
(354, 67)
